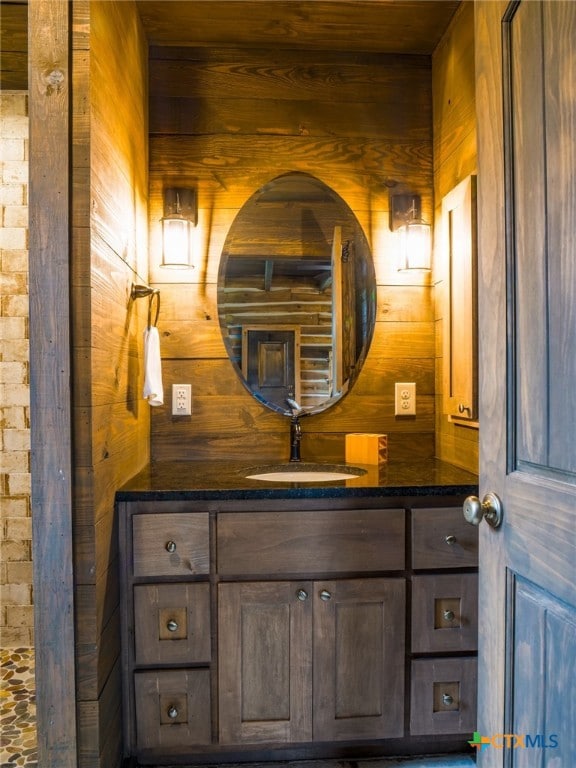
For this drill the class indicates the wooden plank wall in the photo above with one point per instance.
(454, 160)
(14, 46)
(226, 121)
(111, 421)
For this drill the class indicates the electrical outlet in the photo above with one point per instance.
(405, 399)
(181, 399)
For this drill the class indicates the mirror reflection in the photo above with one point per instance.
(296, 295)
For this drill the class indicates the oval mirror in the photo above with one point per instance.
(297, 295)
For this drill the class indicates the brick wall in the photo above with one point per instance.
(16, 611)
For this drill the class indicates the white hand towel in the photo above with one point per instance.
(153, 389)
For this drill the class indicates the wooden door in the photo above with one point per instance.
(265, 662)
(358, 659)
(526, 103)
(271, 363)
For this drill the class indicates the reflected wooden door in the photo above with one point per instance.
(526, 102)
(271, 363)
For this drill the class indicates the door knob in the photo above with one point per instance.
(490, 508)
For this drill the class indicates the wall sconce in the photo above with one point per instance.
(180, 214)
(415, 233)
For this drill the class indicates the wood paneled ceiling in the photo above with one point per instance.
(385, 26)
(372, 26)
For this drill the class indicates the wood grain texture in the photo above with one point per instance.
(358, 660)
(109, 237)
(185, 690)
(329, 76)
(454, 99)
(270, 543)
(492, 347)
(430, 679)
(528, 570)
(278, 693)
(14, 47)
(444, 613)
(228, 162)
(51, 422)
(441, 538)
(407, 27)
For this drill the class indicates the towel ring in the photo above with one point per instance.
(155, 293)
(139, 292)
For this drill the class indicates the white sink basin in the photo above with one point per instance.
(304, 473)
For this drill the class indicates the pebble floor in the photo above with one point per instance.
(17, 709)
(18, 726)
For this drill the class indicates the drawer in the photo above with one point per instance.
(441, 538)
(445, 613)
(172, 623)
(172, 708)
(310, 542)
(443, 696)
(170, 544)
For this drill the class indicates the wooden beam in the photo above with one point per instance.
(49, 41)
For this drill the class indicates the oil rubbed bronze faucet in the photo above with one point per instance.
(295, 438)
(295, 429)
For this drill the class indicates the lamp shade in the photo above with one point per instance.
(180, 214)
(176, 251)
(415, 245)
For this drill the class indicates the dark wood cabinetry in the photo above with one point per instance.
(358, 688)
(265, 669)
(444, 620)
(311, 660)
(251, 629)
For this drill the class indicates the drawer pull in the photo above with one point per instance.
(301, 594)
(325, 595)
(170, 546)
(450, 540)
(171, 625)
(447, 700)
(172, 713)
(449, 615)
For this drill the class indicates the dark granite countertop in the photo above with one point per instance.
(227, 480)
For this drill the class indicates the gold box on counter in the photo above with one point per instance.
(365, 448)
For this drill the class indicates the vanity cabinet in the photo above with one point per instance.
(444, 621)
(166, 627)
(314, 658)
(311, 661)
(259, 626)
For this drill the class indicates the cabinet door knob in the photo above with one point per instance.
(172, 713)
(301, 594)
(450, 539)
(171, 625)
(447, 699)
(462, 408)
(170, 546)
(449, 615)
(325, 595)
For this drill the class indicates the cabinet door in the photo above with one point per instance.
(460, 319)
(358, 659)
(265, 664)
